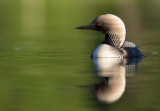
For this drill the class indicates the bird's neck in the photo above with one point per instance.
(106, 40)
(112, 39)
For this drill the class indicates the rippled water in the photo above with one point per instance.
(45, 63)
(36, 81)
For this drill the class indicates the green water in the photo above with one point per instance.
(44, 61)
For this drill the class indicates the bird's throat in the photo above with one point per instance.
(112, 39)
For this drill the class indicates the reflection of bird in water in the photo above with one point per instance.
(114, 44)
(110, 89)
(113, 73)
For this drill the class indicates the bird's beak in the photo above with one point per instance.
(90, 26)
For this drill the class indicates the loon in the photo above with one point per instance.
(114, 44)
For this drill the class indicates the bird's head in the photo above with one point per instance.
(111, 25)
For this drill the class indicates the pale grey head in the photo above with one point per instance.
(112, 26)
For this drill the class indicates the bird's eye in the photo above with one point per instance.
(99, 23)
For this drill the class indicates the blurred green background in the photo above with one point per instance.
(43, 59)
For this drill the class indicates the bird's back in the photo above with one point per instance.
(130, 50)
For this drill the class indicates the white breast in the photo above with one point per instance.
(104, 50)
